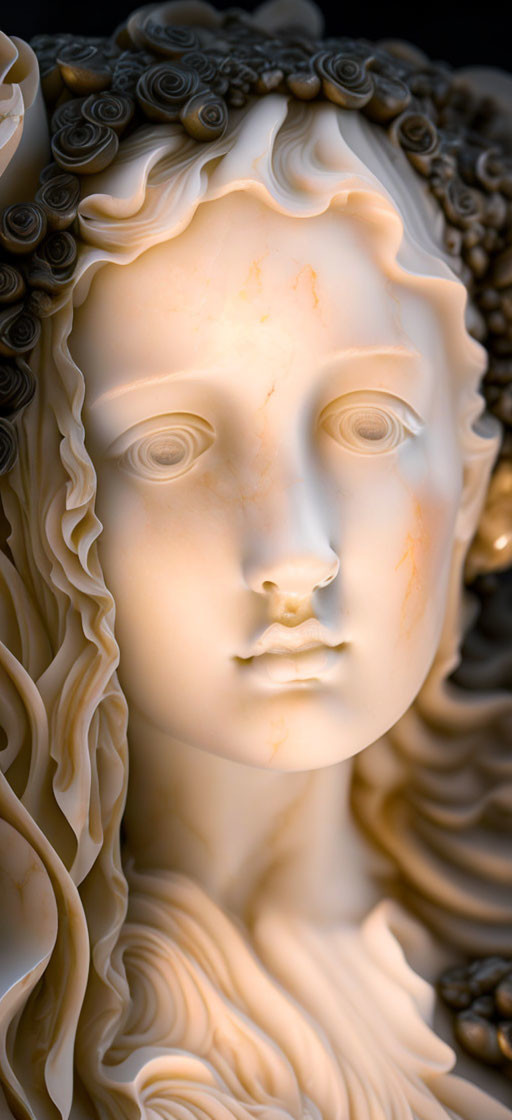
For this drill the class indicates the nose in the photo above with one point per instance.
(296, 573)
(295, 557)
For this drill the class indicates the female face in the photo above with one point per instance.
(274, 430)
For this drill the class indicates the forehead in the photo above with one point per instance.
(246, 285)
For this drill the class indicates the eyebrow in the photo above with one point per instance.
(342, 356)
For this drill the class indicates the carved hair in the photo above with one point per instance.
(437, 815)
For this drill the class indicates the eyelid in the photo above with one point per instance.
(409, 417)
(152, 426)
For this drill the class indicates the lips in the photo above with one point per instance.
(281, 654)
(311, 662)
(301, 665)
(280, 639)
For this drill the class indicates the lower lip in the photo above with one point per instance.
(307, 667)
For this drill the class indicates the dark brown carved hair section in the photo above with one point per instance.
(479, 996)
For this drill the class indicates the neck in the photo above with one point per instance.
(246, 835)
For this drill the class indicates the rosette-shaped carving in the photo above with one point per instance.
(419, 138)
(127, 69)
(70, 112)
(443, 166)
(390, 97)
(461, 204)
(84, 68)
(168, 40)
(480, 166)
(165, 88)
(205, 116)
(12, 284)
(205, 66)
(22, 227)
(345, 79)
(52, 264)
(59, 249)
(59, 197)
(19, 330)
(111, 108)
(8, 446)
(84, 148)
(17, 385)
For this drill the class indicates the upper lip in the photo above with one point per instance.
(286, 639)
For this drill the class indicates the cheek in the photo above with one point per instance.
(424, 560)
(162, 550)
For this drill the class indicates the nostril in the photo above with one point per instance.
(324, 582)
(267, 585)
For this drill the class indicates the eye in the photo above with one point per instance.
(370, 424)
(166, 447)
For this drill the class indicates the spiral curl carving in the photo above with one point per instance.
(84, 69)
(22, 227)
(69, 112)
(168, 41)
(127, 69)
(19, 330)
(84, 148)
(461, 204)
(113, 109)
(204, 65)
(164, 89)
(17, 385)
(345, 80)
(419, 139)
(205, 116)
(12, 284)
(59, 198)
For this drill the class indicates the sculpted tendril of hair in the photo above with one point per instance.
(438, 807)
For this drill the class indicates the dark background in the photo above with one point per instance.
(461, 33)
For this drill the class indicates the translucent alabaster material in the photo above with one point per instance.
(203, 460)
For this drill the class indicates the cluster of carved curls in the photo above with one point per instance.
(98, 90)
(479, 996)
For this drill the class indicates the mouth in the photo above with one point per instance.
(311, 663)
